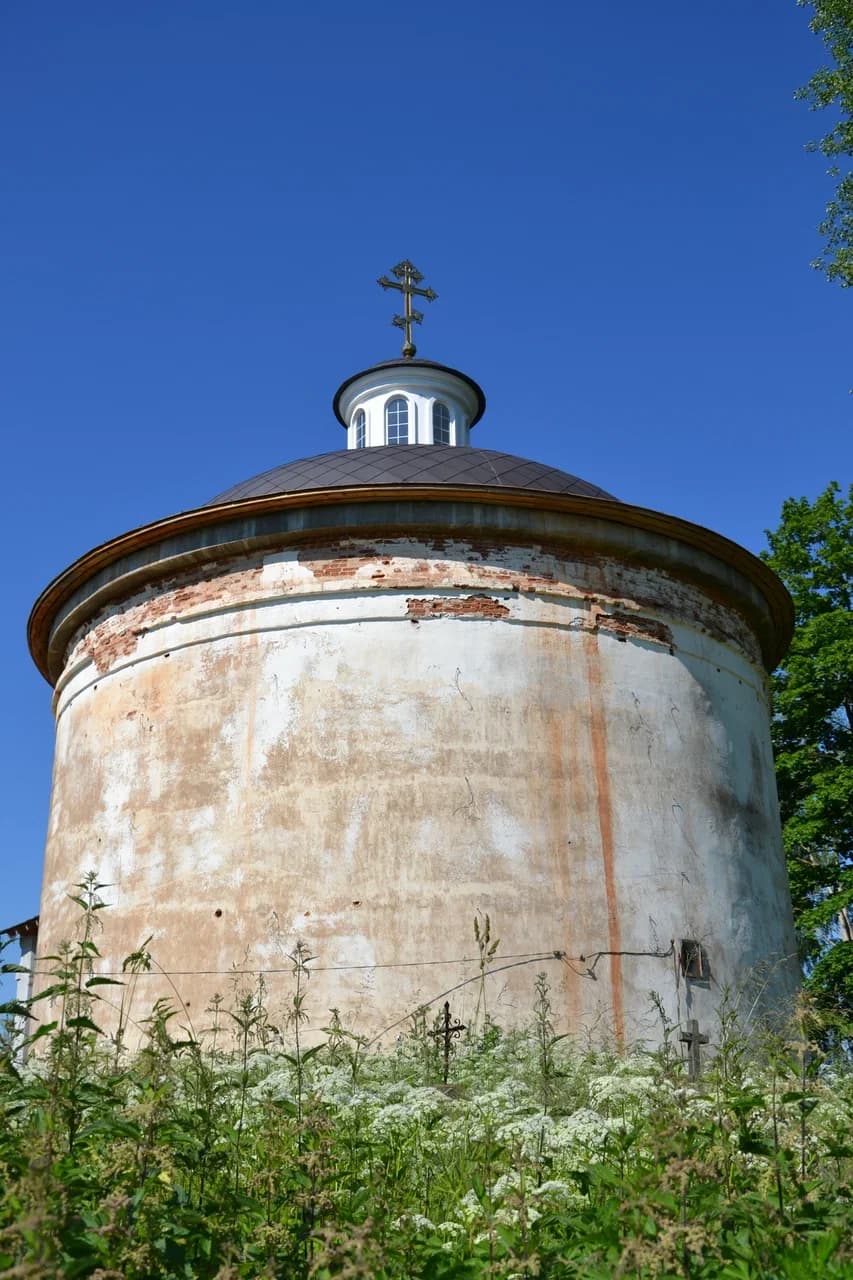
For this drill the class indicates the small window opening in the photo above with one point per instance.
(397, 421)
(360, 423)
(440, 423)
(694, 960)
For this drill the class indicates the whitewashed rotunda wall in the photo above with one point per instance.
(361, 724)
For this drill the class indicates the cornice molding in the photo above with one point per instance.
(56, 613)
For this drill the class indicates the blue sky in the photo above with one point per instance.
(612, 201)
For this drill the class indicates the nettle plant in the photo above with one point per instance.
(235, 1151)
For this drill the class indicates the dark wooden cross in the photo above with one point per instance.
(407, 279)
(446, 1031)
(693, 1039)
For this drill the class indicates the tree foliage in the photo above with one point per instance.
(832, 87)
(812, 551)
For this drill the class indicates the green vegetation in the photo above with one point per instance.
(247, 1154)
(812, 551)
(832, 88)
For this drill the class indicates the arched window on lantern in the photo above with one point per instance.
(440, 423)
(397, 421)
(360, 424)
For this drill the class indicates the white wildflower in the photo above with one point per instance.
(470, 1209)
(335, 1086)
(419, 1107)
(555, 1192)
(510, 1215)
(635, 1064)
(453, 1229)
(415, 1221)
(584, 1132)
(277, 1086)
(830, 1114)
(506, 1183)
(622, 1090)
(509, 1097)
(533, 1134)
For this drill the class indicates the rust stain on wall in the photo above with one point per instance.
(598, 744)
(251, 675)
(477, 606)
(560, 732)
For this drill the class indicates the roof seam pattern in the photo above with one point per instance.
(410, 464)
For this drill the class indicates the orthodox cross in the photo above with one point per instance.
(446, 1031)
(407, 279)
(693, 1039)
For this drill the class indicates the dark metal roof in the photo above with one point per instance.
(24, 929)
(411, 464)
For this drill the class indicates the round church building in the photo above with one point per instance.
(367, 698)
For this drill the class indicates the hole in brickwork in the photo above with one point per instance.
(694, 960)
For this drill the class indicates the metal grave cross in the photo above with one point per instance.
(407, 280)
(693, 1039)
(446, 1031)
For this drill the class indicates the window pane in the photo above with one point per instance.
(440, 423)
(359, 429)
(397, 420)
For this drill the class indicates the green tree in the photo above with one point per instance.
(812, 551)
(832, 87)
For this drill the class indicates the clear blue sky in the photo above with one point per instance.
(613, 202)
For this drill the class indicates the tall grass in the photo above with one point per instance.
(246, 1155)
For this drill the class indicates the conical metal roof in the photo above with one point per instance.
(414, 465)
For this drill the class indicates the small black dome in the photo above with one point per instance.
(411, 464)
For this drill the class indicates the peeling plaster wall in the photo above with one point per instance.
(364, 743)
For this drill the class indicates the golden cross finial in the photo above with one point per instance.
(408, 278)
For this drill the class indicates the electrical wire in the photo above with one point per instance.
(513, 961)
(315, 968)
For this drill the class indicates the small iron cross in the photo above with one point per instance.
(693, 1039)
(446, 1031)
(408, 278)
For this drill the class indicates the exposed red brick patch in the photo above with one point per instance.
(105, 646)
(477, 606)
(632, 626)
(117, 635)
